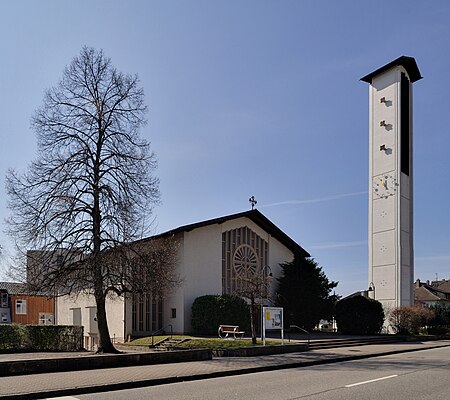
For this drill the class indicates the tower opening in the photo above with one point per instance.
(404, 124)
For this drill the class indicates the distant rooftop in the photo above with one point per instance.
(17, 288)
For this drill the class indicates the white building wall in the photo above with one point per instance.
(390, 211)
(85, 305)
(200, 270)
(175, 299)
(201, 266)
(278, 254)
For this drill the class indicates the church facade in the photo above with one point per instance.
(212, 257)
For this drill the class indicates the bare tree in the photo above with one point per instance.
(90, 192)
(253, 286)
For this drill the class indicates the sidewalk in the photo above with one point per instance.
(78, 382)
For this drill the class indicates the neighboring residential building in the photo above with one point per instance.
(212, 255)
(427, 295)
(19, 306)
(443, 285)
(5, 309)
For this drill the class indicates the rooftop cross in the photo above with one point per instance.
(253, 202)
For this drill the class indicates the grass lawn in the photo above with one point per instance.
(147, 341)
(202, 343)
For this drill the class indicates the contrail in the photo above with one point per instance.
(334, 245)
(318, 200)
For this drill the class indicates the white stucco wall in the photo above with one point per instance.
(201, 266)
(200, 270)
(86, 304)
(390, 216)
(175, 299)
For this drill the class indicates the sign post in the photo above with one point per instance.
(272, 320)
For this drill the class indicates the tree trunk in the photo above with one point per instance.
(105, 345)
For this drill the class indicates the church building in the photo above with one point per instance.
(212, 256)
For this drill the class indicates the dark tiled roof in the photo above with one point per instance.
(443, 285)
(430, 293)
(254, 215)
(424, 294)
(15, 288)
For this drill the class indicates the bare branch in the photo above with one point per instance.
(90, 192)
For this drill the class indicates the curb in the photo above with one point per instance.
(26, 367)
(260, 350)
(218, 374)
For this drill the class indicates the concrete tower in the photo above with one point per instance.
(391, 255)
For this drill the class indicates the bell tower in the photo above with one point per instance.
(391, 253)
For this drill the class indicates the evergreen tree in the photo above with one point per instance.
(304, 293)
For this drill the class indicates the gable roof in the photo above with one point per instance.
(443, 285)
(13, 287)
(254, 215)
(426, 292)
(409, 63)
(17, 288)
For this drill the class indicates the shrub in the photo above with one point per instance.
(13, 337)
(359, 316)
(210, 311)
(410, 320)
(441, 320)
(18, 337)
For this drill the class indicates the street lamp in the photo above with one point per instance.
(372, 289)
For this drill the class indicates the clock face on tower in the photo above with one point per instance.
(384, 185)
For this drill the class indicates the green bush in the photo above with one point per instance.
(359, 315)
(18, 337)
(13, 337)
(440, 324)
(210, 311)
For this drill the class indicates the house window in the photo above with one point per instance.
(76, 316)
(4, 300)
(21, 306)
(174, 312)
(4, 318)
(45, 319)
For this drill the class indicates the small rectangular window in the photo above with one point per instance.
(4, 318)
(4, 300)
(174, 312)
(76, 316)
(45, 319)
(21, 306)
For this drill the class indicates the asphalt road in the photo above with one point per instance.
(418, 375)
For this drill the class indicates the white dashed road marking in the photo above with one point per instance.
(63, 398)
(372, 380)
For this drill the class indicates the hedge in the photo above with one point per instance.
(359, 315)
(210, 311)
(17, 337)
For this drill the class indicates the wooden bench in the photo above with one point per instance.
(225, 330)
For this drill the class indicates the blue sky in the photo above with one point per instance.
(255, 98)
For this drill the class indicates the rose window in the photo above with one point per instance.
(245, 261)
